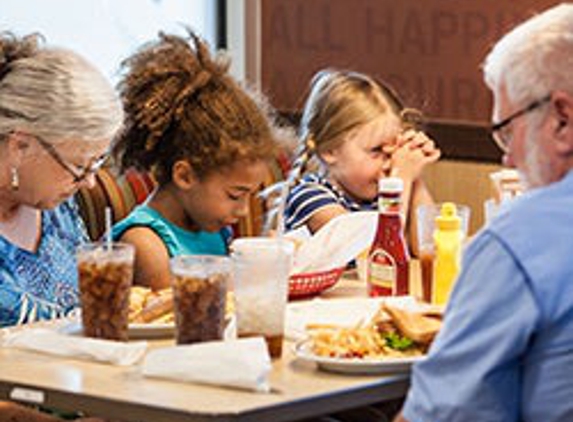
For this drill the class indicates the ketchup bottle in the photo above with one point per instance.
(388, 258)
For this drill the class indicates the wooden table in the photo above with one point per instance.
(299, 390)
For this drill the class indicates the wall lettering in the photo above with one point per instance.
(430, 51)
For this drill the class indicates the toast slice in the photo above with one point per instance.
(418, 327)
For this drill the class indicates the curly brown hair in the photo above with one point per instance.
(181, 104)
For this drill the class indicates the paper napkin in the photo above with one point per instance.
(51, 342)
(336, 244)
(242, 363)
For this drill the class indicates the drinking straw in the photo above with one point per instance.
(281, 209)
(107, 236)
(293, 177)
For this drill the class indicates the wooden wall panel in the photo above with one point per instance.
(463, 182)
(430, 50)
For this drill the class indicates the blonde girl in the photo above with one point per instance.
(357, 131)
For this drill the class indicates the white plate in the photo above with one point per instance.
(343, 312)
(149, 330)
(135, 331)
(355, 365)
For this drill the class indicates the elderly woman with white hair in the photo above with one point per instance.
(58, 114)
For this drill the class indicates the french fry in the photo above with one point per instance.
(367, 339)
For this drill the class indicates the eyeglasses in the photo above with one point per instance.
(83, 172)
(500, 131)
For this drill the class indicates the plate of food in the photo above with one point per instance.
(151, 315)
(391, 341)
(380, 365)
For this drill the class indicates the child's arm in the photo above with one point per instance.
(151, 268)
(420, 195)
(323, 216)
(413, 152)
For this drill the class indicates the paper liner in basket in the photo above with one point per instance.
(337, 243)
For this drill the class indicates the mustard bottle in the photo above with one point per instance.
(448, 241)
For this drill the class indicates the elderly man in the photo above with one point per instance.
(506, 350)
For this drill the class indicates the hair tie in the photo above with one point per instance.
(310, 145)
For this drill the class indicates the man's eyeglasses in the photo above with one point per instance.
(500, 131)
(82, 172)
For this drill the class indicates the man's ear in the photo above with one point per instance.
(563, 125)
(183, 175)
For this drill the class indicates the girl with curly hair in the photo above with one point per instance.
(204, 138)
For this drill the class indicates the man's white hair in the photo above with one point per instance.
(534, 58)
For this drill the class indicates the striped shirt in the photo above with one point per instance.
(314, 193)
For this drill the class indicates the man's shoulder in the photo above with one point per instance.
(542, 212)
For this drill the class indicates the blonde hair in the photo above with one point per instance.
(339, 103)
(182, 104)
(54, 93)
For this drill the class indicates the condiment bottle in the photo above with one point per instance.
(448, 240)
(388, 258)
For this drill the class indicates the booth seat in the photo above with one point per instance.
(121, 193)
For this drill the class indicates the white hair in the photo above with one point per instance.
(534, 58)
(56, 94)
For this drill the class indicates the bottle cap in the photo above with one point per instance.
(391, 185)
(448, 218)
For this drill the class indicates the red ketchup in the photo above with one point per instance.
(388, 259)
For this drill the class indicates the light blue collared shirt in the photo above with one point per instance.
(505, 352)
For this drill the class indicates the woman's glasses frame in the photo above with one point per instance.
(84, 172)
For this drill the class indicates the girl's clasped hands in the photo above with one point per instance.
(410, 154)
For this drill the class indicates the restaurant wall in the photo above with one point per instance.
(430, 51)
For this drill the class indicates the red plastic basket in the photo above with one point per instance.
(310, 284)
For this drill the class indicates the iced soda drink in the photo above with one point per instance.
(262, 267)
(105, 277)
(199, 294)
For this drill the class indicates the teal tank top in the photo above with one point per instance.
(177, 240)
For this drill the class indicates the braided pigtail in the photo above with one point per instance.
(276, 195)
(306, 151)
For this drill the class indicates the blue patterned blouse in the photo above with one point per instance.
(42, 285)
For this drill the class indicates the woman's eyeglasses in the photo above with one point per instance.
(500, 131)
(82, 172)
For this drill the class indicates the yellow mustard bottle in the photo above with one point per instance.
(448, 241)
